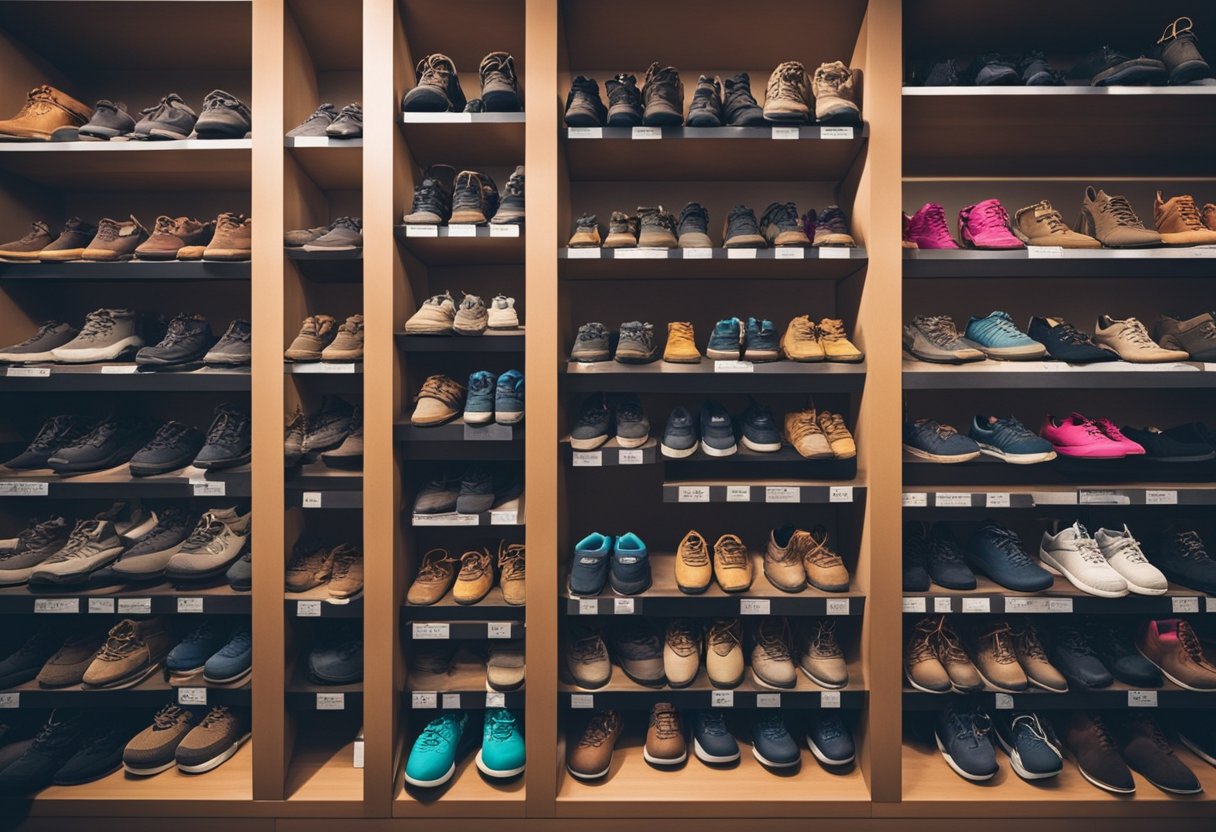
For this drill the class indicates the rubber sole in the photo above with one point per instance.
(1104, 786)
(770, 685)
(1173, 679)
(1016, 459)
(148, 772)
(677, 453)
(770, 763)
(975, 778)
(947, 460)
(825, 759)
(588, 775)
(1015, 762)
(659, 761)
(760, 447)
(706, 757)
(1196, 750)
(718, 452)
(218, 760)
(127, 683)
(497, 774)
(1054, 567)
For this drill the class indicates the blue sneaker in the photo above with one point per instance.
(760, 432)
(234, 660)
(591, 425)
(632, 426)
(432, 760)
(680, 435)
(1032, 745)
(725, 340)
(717, 430)
(763, 342)
(944, 560)
(589, 567)
(962, 737)
(508, 398)
(191, 653)
(999, 337)
(712, 741)
(772, 744)
(630, 573)
(997, 552)
(1008, 439)
(502, 745)
(830, 740)
(479, 405)
(936, 442)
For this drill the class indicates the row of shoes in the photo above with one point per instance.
(1174, 59)
(439, 315)
(74, 747)
(445, 740)
(322, 338)
(657, 654)
(336, 657)
(773, 745)
(781, 225)
(1110, 563)
(330, 122)
(1088, 655)
(486, 400)
(114, 334)
(437, 86)
(131, 545)
(793, 560)
(936, 339)
(1103, 745)
(476, 491)
(333, 433)
(1105, 221)
(314, 563)
(470, 582)
(343, 234)
(228, 237)
(445, 197)
(50, 114)
(791, 96)
(435, 665)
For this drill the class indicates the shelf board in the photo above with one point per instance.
(485, 246)
(123, 377)
(427, 692)
(1096, 263)
(487, 139)
(117, 483)
(611, 154)
(492, 340)
(1102, 474)
(316, 485)
(164, 597)
(991, 374)
(476, 630)
(317, 603)
(309, 696)
(1062, 597)
(332, 164)
(1114, 697)
(453, 519)
(490, 608)
(709, 376)
(326, 256)
(1019, 496)
(322, 769)
(132, 270)
(184, 164)
(743, 489)
(152, 692)
(710, 263)
(455, 440)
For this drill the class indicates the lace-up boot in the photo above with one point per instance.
(437, 88)
(1179, 222)
(724, 653)
(986, 225)
(170, 118)
(1033, 657)
(781, 227)
(348, 343)
(499, 86)
(1178, 49)
(838, 435)
(1111, 221)
(133, 651)
(228, 440)
(584, 107)
(432, 197)
(739, 107)
(681, 346)
(434, 578)
(825, 570)
(835, 342)
(788, 96)
(732, 564)
(835, 95)
(662, 97)
(694, 571)
(705, 109)
(783, 558)
(1041, 225)
(316, 333)
(922, 667)
(438, 401)
(801, 341)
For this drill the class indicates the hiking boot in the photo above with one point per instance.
(681, 347)
(1196, 336)
(233, 346)
(110, 119)
(591, 757)
(310, 565)
(1036, 72)
(657, 228)
(432, 197)
(224, 116)
(622, 230)
(788, 97)
(348, 343)
(115, 240)
(471, 316)
(348, 124)
(732, 564)
(228, 440)
(91, 545)
(586, 232)
(499, 86)
(665, 743)
(132, 652)
(835, 95)
(1179, 222)
(1111, 220)
(316, 333)
(316, 124)
(724, 653)
(781, 227)
(591, 343)
(233, 239)
(694, 572)
(739, 108)
(801, 341)
(346, 234)
(46, 110)
(991, 70)
(511, 209)
(171, 118)
(760, 343)
(1107, 67)
(1178, 50)
(512, 574)
(106, 335)
(802, 430)
(783, 559)
(831, 229)
(217, 540)
(584, 108)
(705, 109)
(772, 664)
(434, 317)
(662, 97)
(741, 229)
(820, 655)
(833, 426)
(927, 228)
(439, 401)
(69, 245)
(1130, 339)
(329, 426)
(174, 446)
(1042, 225)
(693, 227)
(187, 338)
(437, 87)
(474, 198)
(835, 343)
(502, 314)
(922, 666)
(170, 235)
(41, 345)
(636, 345)
(986, 225)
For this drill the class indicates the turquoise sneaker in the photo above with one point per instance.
(502, 745)
(432, 760)
(999, 338)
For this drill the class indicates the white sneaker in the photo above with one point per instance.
(1122, 551)
(502, 313)
(1075, 555)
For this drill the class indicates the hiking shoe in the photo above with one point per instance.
(41, 345)
(69, 245)
(132, 652)
(639, 650)
(347, 345)
(963, 675)
(801, 340)
(217, 540)
(1111, 220)
(717, 431)
(151, 751)
(187, 339)
(657, 228)
(1007, 439)
(316, 333)
(803, 432)
(998, 337)
(962, 737)
(108, 443)
(1195, 336)
(348, 124)
(56, 432)
(927, 228)
(310, 565)
(1179, 222)
(636, 344)
(511, 209)
(761, 342)
(434, 317)
(724, 653)
(739, 108)
(224, 116)
(632, 426)
(788, 97)
(115, 240)
(28, 247)
(499, 86)
(345, 234)
(623, 230)
(923, 667)
(992, 70)
(1178, 49)
(584, 108)
(771, 662)
(1182, 557)
(170, 118)
(758, 430)
(591, 756)
(835, 95)
(693, 227)
(46, 110)
(680, 435)
(662, 97)
(998, 553)
(591, 343)
(726, 341)
(705, 109)
(835, 343)
(681, 346)
(819, 654)
(629, 570)
(831, 229)
(474, 198)
(432, 203)
(216, 739)
(934, 338)
(842, 442)
(31, 547)
(148, 556)
(437, 87)
(1065, 342)
(1042, 225)
(1130, 340)
(479, 403)
(233, 346)
(1035, 71)
(986, 225)
(91, 545)
(586, 232)
(233, 239)
(329, 426)
(228, 440)
(741, 229)
(174, 446)
(106, 335)
(317, 123)
(935, 442)
(1107, 67)
(170, 235)
(509, 398)
(781, 227)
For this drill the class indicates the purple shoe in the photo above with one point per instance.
(986, 225)
(927, 228)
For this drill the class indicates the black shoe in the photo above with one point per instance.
(692, 231)
(99, 752)
(1036, 72)
(584, 108)
(53, 746)
(1182, 558)
(476, 492)
(228, 440)
(348, 124)
(145, 558)
(1117, 650)
(624, 101)
(1160, 446)
(1107, 68)
(108, 443)
(187, 339)
(992, 70)
(1065, 342)
(433, 196)
(174, 446)
(1073, 656)
(437, 89)
(739, 107)
(934, 74)
(316, 124)
(705, 109)
(916, 577)
(944, 559)
(499, 86)
(224, 116)
(662, 97)
(1178, 50)
(55, 433)
(23, 664)
(233, 346)
(329, 426)
(172, 118)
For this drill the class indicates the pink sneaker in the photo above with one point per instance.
(1113, 433)
(1079, 437)
(928, 229)
(986, 225)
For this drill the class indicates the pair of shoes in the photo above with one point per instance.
(475, 491)
(599, 559)
(468, 197)
(444, 740)
(178, 737)
(498, 401)
(226, 238)
(322, 339)
(334, 431)
(438, 574)
(343, 234)
(438, 88)
(223, 654)
(329, 122)
(338, 568)
(438, 315)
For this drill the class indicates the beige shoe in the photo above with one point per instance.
(724, 653)
(801, 341)
(346, 579)
(133, 651)
(694, 572)
(963, 675)
(233, 239)
(316, 333)
(820, 656)
(682, 652)
(732, 564)
(656, 228)
(825, 569)
(802, 430)
(1112, 222)
(46, 109)
(772, 665)
(681, 347)
(433, 580)
(665, 743)
(1179, 222)
(434, 317)
(348, 343)
(839, 438)
(311, 565)
(783, 559)
(996, 660)
(1039, 671)
(587, 657)
(835, 343)
(511, 573)
(476, 577)
(623, 230)
(788, 95)
(1042, 225)
(835, 95)
(440, 400)
(505, 666)
(924, 670)
(1130, 339)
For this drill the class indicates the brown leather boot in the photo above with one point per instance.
(46, 110)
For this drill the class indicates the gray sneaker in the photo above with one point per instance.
(934, 338)
(350, 452)
(346, 234)
(1195, 336)
(511, 210)
(348, 124)
(234, 345)
(224, 116)
(316, 123)
(471, 316)
(636, 345)
(293, 438)
(215, 543)
(30, 549)
(438, 497)
(632, 426)
(172, 118)
(38, 346)
(591, 344)
(91, 545)
(329, 426)
(150, 554)
(106, 335)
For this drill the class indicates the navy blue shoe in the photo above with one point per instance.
(1065, 342)
(763, 342)
(234, 660)
(1116, 649)
(630, 572)
(759, 430)
(589, 566)
(191, 653)
(916, 577)
(962, 738)
(479, 403)
(712, 741)
(830, 740)
(772, 744)
(1032, 745)
(927, 439)
(725, 340)
(680, 435)
(1009, 440)
(1073, 656)
(944, 560)
(717, 430)
(997, 552)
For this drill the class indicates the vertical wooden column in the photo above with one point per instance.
(269, 742)
(541, 430)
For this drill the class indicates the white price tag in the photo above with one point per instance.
(582, 701)
(588, 459)
(1161, 498)
(311, 499)
(914, 605)
(1027, 605)
(916, 499)
(504, 229)
(1142, 699)
(941, 605)
(1209, 604)
(786, 133)
(10, 700)
(328, 367)
(29, 372)
(494, 699)
(424, 700)
(698, 253)
(103, 606)
(789, 253)
(134, 606)
(840, 494)
(588, 606)
(768, 700)
(1103, 498)
(189, 604)
(630, 456)
(463, 229)
(738, 493)
(504, 518)
(308, 609)
(995, 499)
(829, 699)
(584, 132)
(24, 489)
(192, 696)
(1180, 604)
(952, 499)
(1063, 605)
(57, 605)
(834, 253)
(976, 605)
(838, 606)
(1044, 252)
(331, 702)
(754, 606)
(741, 254)
(209, 489)
(646, 133)
(498, 629)
(451, 701)
(692, 494)
(119, 369)
(782, 494)
(734, 367)
(622, 606)
(647, 253)
(1002, 702)
(835, 132)
(422, 231)
(722, 699)
(430, 631)
(588, 253)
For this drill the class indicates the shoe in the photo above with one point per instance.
(1173, 646)
(831, 230)
(511, 209)
(435, 316)
(46, 110)
(476, 492)
(187, 339)
(329, 427)
(681, 346)
(632, 426)
(69, 245)
(41, 345)
(639, 651)
(915, 576)
(505, 666)
(1072, 553)
(233, 239)
(985, 225)
(629, 570)
(310, 565)
(636, 344)
(681, 652)
(29, 247)
(432, 203)
(347, 344)
(841, 441)
(511, 573)
(1147, 751)
(1032, 656)
(217, 540)
(694, 571)
(589, 565)
(758, 430)
(997, 553)
(1115, 647)
(934, 338)
(190, 654)
(819, 654)
(692, 229)
(998, 337)
(1093, 748)
(726, 341)
(31, 653)
(829, 740)
(739, 107)
(772, 743)
(991, 70)
(804, 432)
(1160, 446)
(788, 96)
(474, 198)
(624, 101)
(963, 739)
(32, 546)
(233, 347)
(705, 109)
(584, 107)
(1036, 72)
(927, 228)
(760, 341)
(935, 442)
(1042, 225)
(945, 560)
(732, 564)
(780, 226)
(741, 229)
(662, 97)
(479, 403)
(344, 234)
(240, 574)
(54, 744)
(1130, 340)
(133, 651)
(1065, 342)
(337, 657)
(802, 340)
(1078, 436)
(107, 444)
(1007, 439)
(1209, 215)
(996, 660)
(214, 741)
(586, 656)
(680, 435)
(724, 653)
(1179, 223)
(502, 755)
(591, 425)
(148, 556)
(170, 235)
(115, 240)
(771, 662)
(501, 313)
(316, 124)
(665, 744)
(1074, 656)
(1122, 551)
(174, 446)
(437, 88)
(508, 398)
(587, 232)
(1111, 220)
(835, 95)
(1106, 67)
(153, 749)
(433, 580)
(1195, 731)
(229, 441)
(1177, 48)
(1182, 558)
(657, 228)
(439, 401)
(348, 124)
(471, 317)
(170, 118)
(1033, 748)
(712, 741)
(224, 116)
(717, 431)
(591, 757)
(1196, 336)
(592, 343)
(106, 335)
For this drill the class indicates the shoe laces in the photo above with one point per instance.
(1029, 644)
(1101, 731)
(730, 552)
(693, 550)
(1001, 637)
(435, 69)
(772, 727)
(787, 80)
(215, 716)
(428, 195)
(324, 112)
(346, 557)
(1010, 545)
(1087, 547)
(587, 646)
(177, 331)
(1109, 429)
(209, 527)
(499, 66)
(1191, 546)
(973, 726)
(163, 104)
(167, 717)
(1128, 547)
(666, 722)
(95, 435)
(680, 331)
(600, 728)
(501, 724)
(594, 414)
(1190, 643)
(1188, 212)
(833, 76)
(713, 723)
(832, 424)
(40, 334)
(832, 218)
(805, 425)
(229, 221)
(1069, 334)
(629, 409)
(815, 549)
(950, 645)
(1119, 208)
(238, 330)
(803, 328)
(707, 93)
(473, 564)
(1137, 333)
(784, 215)
(218, 99)
(168, 436)
(349, 223)
(991, 215)
(942, 431)
(49, 735)
(1002, 323)
(511, 562)
(53, 432)
(829, 329)
(724, 636)
(97, 324)
(38, 100)
(1044, 214)
(741, 220)
(228, 428)
(773, 637)
(681, 639)
(442, 388)
(939, 329)
(1153, 731)
(1176, 29)
(1008, 429)
(40, 534)
(435, 566)
(920, 645)
(823, 640)
(164, 225)
(934, 216)
(238, 642)
(121, 642)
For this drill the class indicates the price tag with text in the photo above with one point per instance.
(10, 700)
(1063, 605)
(693, 494)
(722, 699)
(1181, 604)
(741, 254)
(829, 699)
(835, 132)
(834, 253)
(994, 499)
(1142, 699)
(24, 489)
(192, 696)
(754, 606)
(697, 253)
(838, 606)
(952, 499)
(1161, 498)
(941, 605)
(210, 488)
(29, 372)
(462, 229)
(630, 456)
(308, 609)
(646, 133)
(424, 700)
(588, 606)
(977, 605)
(505, 229)
(584, 132)
(1003, 702)
(134, 606)
(768, 700)
(914, 605)
(782, 494)
(498, 629)
(430, 631)
(738, 493)
(311, 499)
(583, 253)
(840, 494)
(916, 499)
(582, 701)
(622, 606)
(57, 605)
(588, 459)
(1044, 252)
(331, 701)
(103, 606)
(789, 253)
(786, 133)
(451, 701)
(189, 605)
(494, 699)
(734, 367)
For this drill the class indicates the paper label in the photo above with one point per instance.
(450, 519)
(916, 499)
(1209, 604)
(835, 132)
(24, 489)
(1063, 605)
(451, 701)
(588, 606)
(119, 369)
(311, 499)
(952, 499)
(581, 701)
(786, 133)
(328, 368)
(209, 489)
(768, 700)
(1180, 604)
(630, 456)
(647, 253)
(1002, 702)
(308, 609)
(1054, 498)
(738, 493)
(134, 606)
(584, 132)
(192, 696)
(829, 699)
(495, 699)
(941, 605)
(463, 229)
(646, 133)
(914, 605)
(1103, 498)
(498, 629)
(430, 631)
(422, 231)
(423, 700)
(331, 701)
(782, 494)
(840, 494)
(692, 494)
(834, 253)
(583, 253)
(1044, 252)
(722, 699)
(588, 459)
(101, 605)
(789, 253)
(10, 700)
(995, 499)
(28, 372)
(698, 253)
(622, 606)
(57, 605)
(734, 367)
(977, 605)
(186, 605)
(504, 229)
(1142, 699)
(1161, 498)
(1027, 605)
(838, 606)
(754, 606)
(504, 518)
(741, 254)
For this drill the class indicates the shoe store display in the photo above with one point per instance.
(343, 234)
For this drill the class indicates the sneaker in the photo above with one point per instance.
(1033, 748)
(499, 86)
(772, 665)
(986, 225)
(169, 236)
(632, 426)
(835, 95)
(741, 229)
(1179, 223)
(589, 565)
(240, 574)
(233, 240)
(801, 341)
(717, 431)
(725, 342)
(187, 339)
(780, 226)
(945, 561)
(591, 343)
(435, 316)
(315, 125)
(759, 430)
(829, 740)
(329, 426)
(936, 442)
(1195, 336)
(705, 109)
(217, 540)
(586, 657)
(1007, 439)
(927, 228)
(479, 404)
(591, 757)
(732, 564)
(665, 745)
(712, 741)
(788, 97)
(437, 87)
(1073, 654)
(28, 247)
(432, 203)
(435, 577)
(106, 335)
(1035, 71)
(915, 576)
(825, 570)
(1115, 647)
(190, 654)
(804, 432)
(148, 556)
(694, 571)
(1147, 751)
(996, 661)
(233, 661)
(724, 653)
(438, 401)
(174, 446)
(639, 651)
(1130, 340)
(835, 343)
(657, 228)
(662, 97)
(680, 435)
(54, 744)
(739, 107)
(1042, 225)
(584, 107)
(110, 119)
(337, 656)
(997, 552)
(629, 571)
(831, 229)
(1065, 342)
(636, 344)
(1173, 646)
(1032, 656)
(1183, 559)
(310, 565)
(761, 343)
(347, 344)
(693, 227)
(344, 234)
(31, 548)
(586, 232)
(1096, 754)
(224, 116)
(962, 738)
(1111, 220)
(41, 345)
(501, 313)
(1078, 436)
(474, 198)
(70, 244)
(170, 118)
(934, 338)
(772, 744)
(26, 655)
(681, 346)
(214, 741)
(512, 573)
(841, 441)
(511, 209)
(682, 652)
(624, 101)
(1161, 446)
(1107, 67)
(1178, 49)
(509, 398)
(591, 425)
(923, 667)
(133, 651)
(152, 750)
(229, 442)
(108, 443)
(1071, 552)
(502, 753)
(999, 338)
(476, 492)
(234, 346)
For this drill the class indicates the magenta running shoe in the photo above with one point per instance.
(928, 229)
(1112, 432)
(1077, 436)
(986, 225)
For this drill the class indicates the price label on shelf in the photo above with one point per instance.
(57, 605)
(208, 488)
(838, 606)
(722, 699)
(840, 494)
(498, 629)
(916, 499)
(789, 253)
(768, 700)
(782, 494)
(941, 605)
(754, 606)
(462, 229)
(996, 499)
(422, 231)
(504, 518)
(786, 133)
(1044, 252)
(588, 606)
(186, 605)
(451, 701)
(977, 605)
(835, 132)
(1209, 604)
(430, 631)
(119, 369)
(738, 493)
(952, 499)
(734, 367)
(1142, 699)
(1103, 498)
(494, 699)
(10, 700)
(646, 133)
(914, 605)
(24, 489)
(583, 253)
(311, 499)
(622, 606)
(1062, 605)
(102, 606)
(424, 700)
(829, 699)
(630, 456)
(134, 606)
(588, 459)
(697, 253)
(331, 702)
(1002, 702)
(830, 253)
(308, 609)
(29, 372)
(582, 701)
(1161, 498)
(648, 253)
(505, 229)
(1181, 604)
(584, 132)
(741, 254)
(192, 696)
(1027, 605)
(692, 494)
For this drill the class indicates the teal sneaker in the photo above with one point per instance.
(432, 760)
(999, 338)
(502, 745)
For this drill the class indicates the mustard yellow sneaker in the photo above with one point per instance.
(835, 344)
(802, 430)
(839, 438)
(681, 345)
(801, 341)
